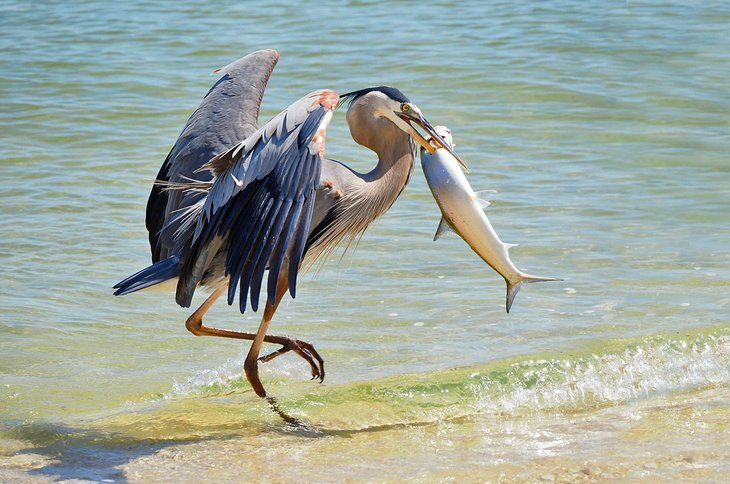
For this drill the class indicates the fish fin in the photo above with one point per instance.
(512, 290)
(486, 193)
(481, 202)
(514, 287)
(482, 197)
(442, 229)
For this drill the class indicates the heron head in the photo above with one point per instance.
(390, 103)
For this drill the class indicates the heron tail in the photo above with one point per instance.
(156, 273)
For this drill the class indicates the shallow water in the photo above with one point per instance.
(604, 130)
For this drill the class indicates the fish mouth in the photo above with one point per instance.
(414, 116)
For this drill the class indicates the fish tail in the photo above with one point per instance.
(513, 287)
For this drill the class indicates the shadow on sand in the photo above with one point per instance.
(77, 453)
(62, 452)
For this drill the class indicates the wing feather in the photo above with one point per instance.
(277, 258)
(253, 268)
(298, 244)
(260, 204)
(227, 114)
(272, 237)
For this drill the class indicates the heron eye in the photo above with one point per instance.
(405, 108)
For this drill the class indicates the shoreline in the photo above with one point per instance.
(656, 407)
(682, 435)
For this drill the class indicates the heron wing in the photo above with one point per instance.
(227, 115)
(259, 207)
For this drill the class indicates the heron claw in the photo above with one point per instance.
(303, 349)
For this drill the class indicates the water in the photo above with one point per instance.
(604, 129)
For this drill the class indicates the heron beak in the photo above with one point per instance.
(436, 139)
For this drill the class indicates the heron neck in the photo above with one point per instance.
(396, 153)
(395, 164)
(366, 196)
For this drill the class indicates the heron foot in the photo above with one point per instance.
(302, 348)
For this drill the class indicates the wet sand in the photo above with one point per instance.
(671, 436)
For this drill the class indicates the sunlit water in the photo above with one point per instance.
(602, 126)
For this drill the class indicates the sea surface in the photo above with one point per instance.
(603, 127)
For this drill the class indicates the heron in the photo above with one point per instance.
(233, 200)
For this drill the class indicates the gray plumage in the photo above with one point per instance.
(233, 200)
(227, 115)
(257, 208)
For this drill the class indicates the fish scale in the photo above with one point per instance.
(463, 212)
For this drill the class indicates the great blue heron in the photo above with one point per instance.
(233, 200)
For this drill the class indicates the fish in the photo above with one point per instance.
(462, 211)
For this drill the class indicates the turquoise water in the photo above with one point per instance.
(602, 126)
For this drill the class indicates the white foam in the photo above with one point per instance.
(638, 371)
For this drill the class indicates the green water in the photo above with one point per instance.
(604, 128)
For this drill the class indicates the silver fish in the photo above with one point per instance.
(463, 212)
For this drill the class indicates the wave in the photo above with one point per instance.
(620, 372)
(640, 370)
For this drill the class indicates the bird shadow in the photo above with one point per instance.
(63, 452)
(67, 452)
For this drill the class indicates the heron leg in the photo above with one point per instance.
(251, 365)
(195, 325)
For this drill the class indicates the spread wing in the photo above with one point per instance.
(227, 115)
(258, 210)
